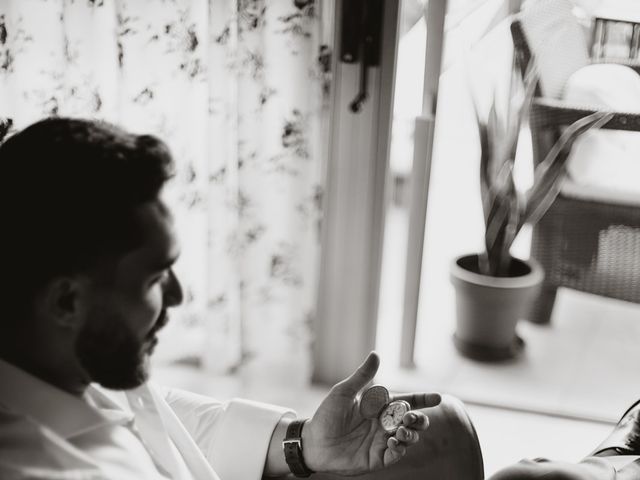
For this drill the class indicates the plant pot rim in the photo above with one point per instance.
(534, 277)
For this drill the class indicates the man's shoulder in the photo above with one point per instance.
(11, 473)
(17, 429)
(30, 450)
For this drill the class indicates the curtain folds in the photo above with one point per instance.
(235, 88)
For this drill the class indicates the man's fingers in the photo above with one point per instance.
(407, 436)
(397, 448)
(361, 377)
(415, 420)
(395, 451)
(419, 400)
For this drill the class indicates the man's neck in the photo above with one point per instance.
(53, 372)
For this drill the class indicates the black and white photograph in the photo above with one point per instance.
(327, 239)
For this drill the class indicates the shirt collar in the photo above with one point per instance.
(65, 414)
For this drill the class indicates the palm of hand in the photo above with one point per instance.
(348, 442)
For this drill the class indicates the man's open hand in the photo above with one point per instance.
(339, 439)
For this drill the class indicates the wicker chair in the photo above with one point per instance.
(584, 242)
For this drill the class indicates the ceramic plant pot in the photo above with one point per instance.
(488, 308)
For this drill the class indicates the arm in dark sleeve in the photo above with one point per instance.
(592, 468)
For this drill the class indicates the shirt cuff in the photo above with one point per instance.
(239, 449)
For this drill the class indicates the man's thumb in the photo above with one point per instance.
(361, 377)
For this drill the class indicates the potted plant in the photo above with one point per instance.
(494, 289)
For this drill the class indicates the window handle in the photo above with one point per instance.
(361, 41)
(361, 97)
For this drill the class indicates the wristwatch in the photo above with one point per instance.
(375, 403)
(292, 446)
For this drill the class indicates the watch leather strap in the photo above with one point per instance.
(292, 446)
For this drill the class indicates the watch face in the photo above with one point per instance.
(391, 416)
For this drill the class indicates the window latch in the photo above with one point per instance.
(361, 38)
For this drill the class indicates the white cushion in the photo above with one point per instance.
(602, 160)
(610, 196)
(556, 40)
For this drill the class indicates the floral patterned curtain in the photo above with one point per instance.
(236, 89)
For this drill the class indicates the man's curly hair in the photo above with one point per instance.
(68, 189)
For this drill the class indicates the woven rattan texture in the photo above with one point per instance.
(586, 245)
(591, 247)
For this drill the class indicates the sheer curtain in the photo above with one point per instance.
(236, 89)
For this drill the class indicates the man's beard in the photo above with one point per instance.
(111, 353)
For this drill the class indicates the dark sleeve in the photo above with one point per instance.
(591, 468)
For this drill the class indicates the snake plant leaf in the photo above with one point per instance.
(521, 112)
(496, 231)
(495, 131)
(552, 170)
(485, 179)
(501, 226)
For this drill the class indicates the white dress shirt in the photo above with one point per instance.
(145, 433)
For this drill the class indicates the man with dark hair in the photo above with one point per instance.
(87, 282)
(76, 197)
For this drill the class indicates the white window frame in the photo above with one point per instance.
(354, 207)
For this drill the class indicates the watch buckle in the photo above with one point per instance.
(290, 441)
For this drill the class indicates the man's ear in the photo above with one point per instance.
(61, 300)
